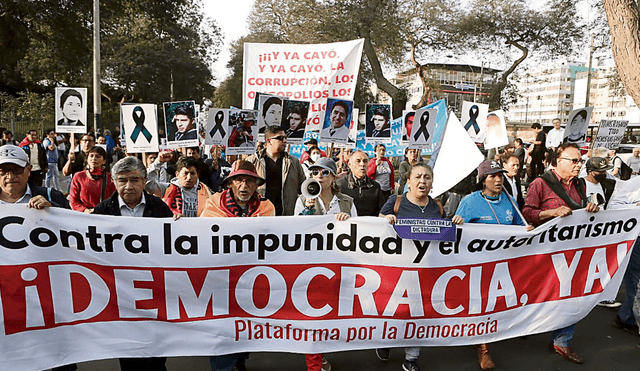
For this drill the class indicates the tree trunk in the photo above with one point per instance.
(495, 103)
(624, 21)
(422, 74)
(398, 96)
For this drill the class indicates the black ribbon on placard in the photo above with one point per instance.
(218, 119)
(474, 112)
(138, 118)
(422, 130)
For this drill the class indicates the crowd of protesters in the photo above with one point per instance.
(517, 186)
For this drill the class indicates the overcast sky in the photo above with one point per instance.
(231, 17)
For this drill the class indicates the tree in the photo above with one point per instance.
(624, 22)
(145, 45)
(499, 26)
(390, 28)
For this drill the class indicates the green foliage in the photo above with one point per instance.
(496, 27)
(145, 44)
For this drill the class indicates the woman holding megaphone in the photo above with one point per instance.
(321, 196)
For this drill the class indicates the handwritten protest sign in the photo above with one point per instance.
(610, 133)
(309, 72)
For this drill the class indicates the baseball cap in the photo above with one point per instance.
(313, 141)
(598, 164)
(10, 154)
(325, 163)
(488, 167)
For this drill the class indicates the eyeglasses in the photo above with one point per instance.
(575, 161)
(279, 137)
(324, 172)
(14, 171)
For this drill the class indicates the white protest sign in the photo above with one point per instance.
(610, 133)
(140, 122)
(310, 72)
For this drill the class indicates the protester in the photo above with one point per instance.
(37, 156)
(310, 143)
(519, 151)
(185, 194)
(554, 136)
(92, 186)
(204, 173)
(627, 194)
(342, 164)
(329, 202)
(557, 193)
(76, 160)
(7, 138)
(314, 156)
(411, 157)
(488, 205)
(616, 163)
(15, 186)
(333, 202)
(599, 189)
(238, 199)
(366, 193)
(381, 171)
(16, 189)
(416, 203)
(52, 178)
(634, 162)
(130, 199)
(283, 173)
(537, 153)
(218, 168)
(512, 184)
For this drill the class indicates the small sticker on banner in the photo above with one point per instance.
(426, 229)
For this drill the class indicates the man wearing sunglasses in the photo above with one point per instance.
(283, 174)
(558, 192)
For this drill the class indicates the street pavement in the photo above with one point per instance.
(603, 348)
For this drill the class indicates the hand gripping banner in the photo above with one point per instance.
(76, 287)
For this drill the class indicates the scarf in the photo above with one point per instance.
(231, 207)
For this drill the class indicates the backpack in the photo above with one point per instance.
(625, 171)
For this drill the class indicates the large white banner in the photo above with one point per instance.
(77, 287)
(307, 72)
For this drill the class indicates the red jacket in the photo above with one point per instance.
(371, 171)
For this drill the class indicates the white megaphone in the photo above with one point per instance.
(311, 189)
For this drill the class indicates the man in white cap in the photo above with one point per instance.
(15, 170)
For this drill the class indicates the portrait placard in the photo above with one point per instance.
(71, 110)
(496, 130)
(577, 125)
(180, 124)
(294, 120)
(378, 123)
(336, 116)
(243, 130)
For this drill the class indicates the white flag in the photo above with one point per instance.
(458, 156)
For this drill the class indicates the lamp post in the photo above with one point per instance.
(97, 102)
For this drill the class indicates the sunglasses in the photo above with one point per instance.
(575, 161)
(14, 171)
(324, 172)
(279, 137)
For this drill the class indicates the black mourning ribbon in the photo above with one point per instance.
(138, 118)
(218, 119)
(473, 116)
(422, 130)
